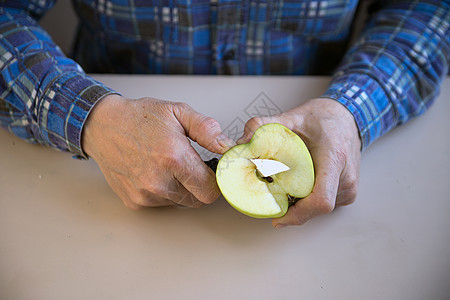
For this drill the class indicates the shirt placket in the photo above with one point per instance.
(230, 29)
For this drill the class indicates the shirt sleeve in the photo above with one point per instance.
(45, 97)
(394, 71)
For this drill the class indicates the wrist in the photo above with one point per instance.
(344, 113)
(102, 114)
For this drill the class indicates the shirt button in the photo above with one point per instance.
(229, 55)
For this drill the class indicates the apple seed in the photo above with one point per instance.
(268, 178)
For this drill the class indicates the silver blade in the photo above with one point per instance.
(269, 167)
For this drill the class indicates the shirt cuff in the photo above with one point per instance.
(65, 108)
(366, 100)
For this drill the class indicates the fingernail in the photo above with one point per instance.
(240, 140)
(225, 141)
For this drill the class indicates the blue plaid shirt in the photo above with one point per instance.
(390, 74)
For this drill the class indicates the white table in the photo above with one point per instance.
(65, 235)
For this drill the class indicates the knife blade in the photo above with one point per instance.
(269, 167)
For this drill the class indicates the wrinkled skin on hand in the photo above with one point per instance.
(143, 150)
(330, 133)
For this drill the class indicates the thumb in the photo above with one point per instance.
(250, 128)
(204, 130)
(254, 123)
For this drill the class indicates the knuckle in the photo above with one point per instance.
(347, 201)
(188, 200)
(136, 202)
(349, 188)
(254, 122)
(353, 191)
(182, 106)
(155, 189)
(132, 206)
(203, 192)
(129, 196)
(197, 204)
(324, 206)
(208, 123)
(211, 196)
(297, 220)
(340, 157)
(149, 185)
(174, 161)
(352, 179)
(348, 195)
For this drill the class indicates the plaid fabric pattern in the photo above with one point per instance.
(231, 37)
(394, 71)
(391, 74)
(44, 96)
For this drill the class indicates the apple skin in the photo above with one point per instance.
(243, 187)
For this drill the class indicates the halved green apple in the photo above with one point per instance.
(248, 191)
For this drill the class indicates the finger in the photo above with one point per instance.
(173, 194)
(256, 122)
(166, 191)
(132, 197)
(197, 178)
(345, 198)
(150, 200)
(321, 201)
(348, 189)
(122, 187)
(250, 128)
(204, 130)
(182, 197)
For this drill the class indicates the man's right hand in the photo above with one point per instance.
(143, 150)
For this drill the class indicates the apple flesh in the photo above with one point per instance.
(261, 197)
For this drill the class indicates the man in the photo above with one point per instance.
(389, 75)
